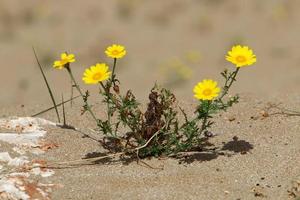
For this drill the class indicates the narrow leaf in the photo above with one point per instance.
(48, 86)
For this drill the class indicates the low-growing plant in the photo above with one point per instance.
(164, 127)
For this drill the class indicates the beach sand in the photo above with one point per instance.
(254, 154)
(255, 151)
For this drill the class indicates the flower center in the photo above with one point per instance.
(207, 92)
(115, 52)
(240, 59)
(97, 76)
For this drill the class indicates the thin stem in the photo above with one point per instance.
(233, 78)
(102, 85)
(48, 109)
(80, 92)
(107, 91)
(113, 71)
(112, 155)
(227, 87)
(63, 108)
(71, 93)
(47, 84)
(108, 107)
(204, 122)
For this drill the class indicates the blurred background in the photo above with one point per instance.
(175, 43)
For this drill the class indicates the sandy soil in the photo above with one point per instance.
(254, 155)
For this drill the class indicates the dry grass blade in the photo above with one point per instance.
(72, 92)
(48, 109)
(63, 108)
(48, 86)
(281, 110)
(89, 160)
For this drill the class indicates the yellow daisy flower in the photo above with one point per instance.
(206, 90)
(115, 51)
(64, 59)
(96, 73)
(241, 56)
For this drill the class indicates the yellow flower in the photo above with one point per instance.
(64, 59)
(96, 73)
(115, 51)
(241, 56)
(206, 90)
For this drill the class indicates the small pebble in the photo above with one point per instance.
(264, 114)
(231, 119)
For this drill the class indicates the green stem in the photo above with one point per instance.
(80, 92)
(113, 71)
(107, 91)
(47, 84)
(203, 127)
(71, 93)
(108, 107)
(48, 109)
(63, 108)
(227, 87)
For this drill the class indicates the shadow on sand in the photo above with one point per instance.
(229, 149)
(206, 153)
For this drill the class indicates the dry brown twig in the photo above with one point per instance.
(281, 110)
(90, 160)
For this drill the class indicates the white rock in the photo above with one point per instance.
(8, 187)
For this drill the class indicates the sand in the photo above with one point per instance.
(254, 154)
(255, 151)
